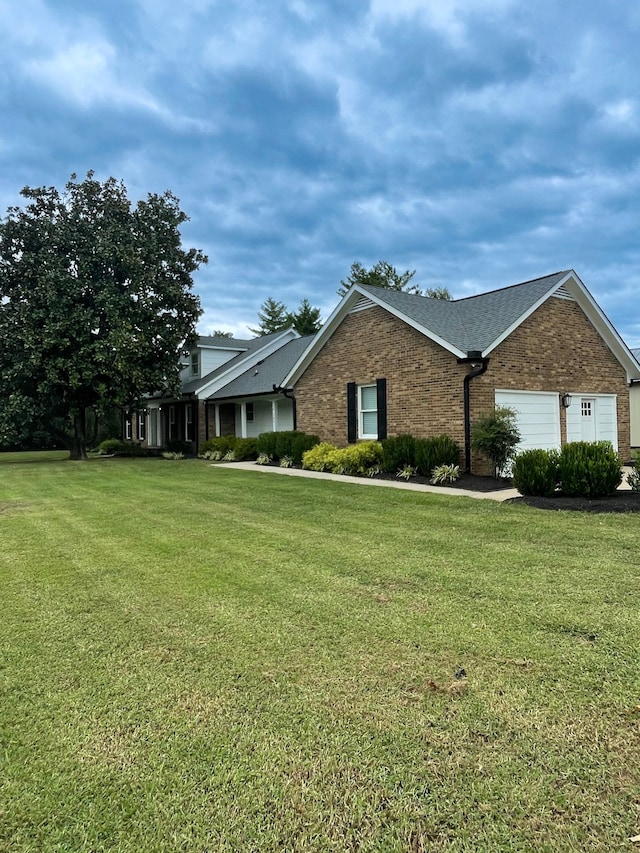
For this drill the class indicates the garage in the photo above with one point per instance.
(593, 417)
(538, 417)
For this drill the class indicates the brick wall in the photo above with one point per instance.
(556, 349)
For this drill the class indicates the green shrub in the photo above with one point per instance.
(219, 444)
(110, 445)
(264, 459)
(397, 451)
(286, 443)
(356, 459)
(245, 448)
(132, 449)
(633, 477)
(406, 472)
(317, 459)
(431, 453)
(496, 435)
(535, 472)
(589, 469)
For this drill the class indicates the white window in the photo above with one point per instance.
(188, 423)
(195, 363)
(367, 411)
(127, 426)
(142, 422)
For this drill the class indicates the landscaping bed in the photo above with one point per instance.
(622, 501)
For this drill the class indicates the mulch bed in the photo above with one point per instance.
(466, 481)
(621, 501)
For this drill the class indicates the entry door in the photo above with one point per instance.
(588, 419)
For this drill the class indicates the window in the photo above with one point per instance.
(195, 363)
(367, 411)
(172, 421)
(127, 426)
(142, 422)
(188, 423)
(250, 413)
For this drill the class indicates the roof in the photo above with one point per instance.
(222, 342)
(476, 322)
(636, 353)
(473, 324)
(250, 348)
(262, 376)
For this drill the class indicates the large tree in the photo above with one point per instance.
(96, 303)
(383, 274)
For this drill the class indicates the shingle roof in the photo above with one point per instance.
(250, 346)
(262, 376)
(473, 323)
(636, 353)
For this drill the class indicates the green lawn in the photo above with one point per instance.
(198, 659)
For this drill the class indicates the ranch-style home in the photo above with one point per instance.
(387, 362)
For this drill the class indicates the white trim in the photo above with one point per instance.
(239, 367)
(274, 415)
(361, 412)
(216, 416)
(243, 420)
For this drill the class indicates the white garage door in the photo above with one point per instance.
(538, 417)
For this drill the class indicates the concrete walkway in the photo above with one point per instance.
(498, 495)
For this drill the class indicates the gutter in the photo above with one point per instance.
(288, 393)
(479, 365)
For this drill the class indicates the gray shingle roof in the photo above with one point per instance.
(261, 377)
(473, 323)
(636, 353)
(250, 346)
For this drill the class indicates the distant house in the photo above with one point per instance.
(229, 387)
(387, 362)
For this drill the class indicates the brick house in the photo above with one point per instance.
(228, 387)
(388, 362)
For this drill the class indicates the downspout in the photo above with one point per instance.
(479, 365)
(288, 393)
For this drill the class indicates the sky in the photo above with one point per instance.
(480, 143)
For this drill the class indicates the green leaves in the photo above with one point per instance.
(95, 299)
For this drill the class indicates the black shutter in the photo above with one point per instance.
(381, 394)
(351, 412)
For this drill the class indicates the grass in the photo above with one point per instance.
(200, 659)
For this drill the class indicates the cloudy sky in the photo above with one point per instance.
(479, 142)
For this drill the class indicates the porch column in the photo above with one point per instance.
(274, 415)
(243, 420)
(216, 409)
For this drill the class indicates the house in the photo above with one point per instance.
(228, 387)
(634, 403)
(388, 362)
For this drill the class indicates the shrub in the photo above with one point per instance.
(170, 454)
(245, 448)
(444, 474)
(431, 453)
(286, 443)
(633, 477)
(535, 472)
(589, 469)
(397, 451)
(317, 459)
(496, 435)
(286, 462)
(110, 445)
(220, 444)
(130, 448)
(264, 459)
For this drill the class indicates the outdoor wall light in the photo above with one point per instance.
(565, 400)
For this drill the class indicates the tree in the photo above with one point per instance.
(220, 333)
(95, 305)
(385, 275)
(274, 317)
(306, 320)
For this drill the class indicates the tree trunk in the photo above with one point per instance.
(78, 441)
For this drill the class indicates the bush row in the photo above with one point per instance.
(580, 469)
(356, 459)
(229, 447)
(289, 444)
(423, 454)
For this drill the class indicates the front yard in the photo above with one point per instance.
(201, 659)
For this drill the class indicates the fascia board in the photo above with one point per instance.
(234, 371)
(604, 326)
(502, 337)
(338, 315)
